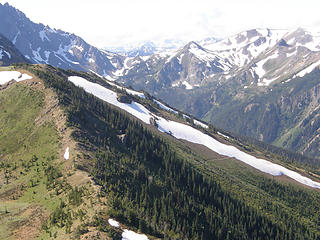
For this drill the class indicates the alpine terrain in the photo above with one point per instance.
(260, 83)
(213, 139)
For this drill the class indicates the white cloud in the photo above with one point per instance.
(116, 22)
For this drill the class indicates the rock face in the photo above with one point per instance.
(9, 54)
(288, 115)
(41, 44)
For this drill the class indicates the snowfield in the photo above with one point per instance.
(109, 96)
(186, 132)
(7, 76)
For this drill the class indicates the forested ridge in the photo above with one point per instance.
(154, 188)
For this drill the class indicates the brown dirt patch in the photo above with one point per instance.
(30, 226)
(12, 193)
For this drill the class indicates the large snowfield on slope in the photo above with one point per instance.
(7, 76)
(186, 132)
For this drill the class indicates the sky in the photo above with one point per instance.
(111, 23)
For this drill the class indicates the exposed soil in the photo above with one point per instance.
(30, 226)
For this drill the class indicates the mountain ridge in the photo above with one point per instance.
(43, 45)
(127, 156)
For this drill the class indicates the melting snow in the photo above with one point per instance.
(202, 54)
(109, 96)
(113, 223)
(63, 50)
(66, 154)
(259, 68)
(78, 47)
(223, 135)
(91, 60)
(15, 38)
(186, 132)
(43, 35)
(2, 54)
(182, 131)
(291, 54)
(37, 56)
(261, 72)
(164, 107)
(200, 123)
(129, 91)
(308, 69)
(7, 76)
(130, 235)
(187, 85)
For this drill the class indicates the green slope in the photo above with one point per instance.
(174, 190)
(42, 196)
(25, 151)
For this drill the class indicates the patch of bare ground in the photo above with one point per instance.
(94, 234)
(30, 225)
(92, 201)
(12, 193)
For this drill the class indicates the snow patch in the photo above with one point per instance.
(7, 76)
(291, 54)
(308, 69)
(113, 223)
(164, 107)
(91, 60)
(219, 133)
(182, 131)
(78, 47)
(95, 73)
(15, 38)
(43, 35)
(2, 54)
(109, 78)
(66, 154)
(136, 109)
(37, 57)
(63, 50)
(187, 85)
(132, 92)
(129, 91)
(196, 122)
(130, 235)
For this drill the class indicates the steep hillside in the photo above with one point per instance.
(42, 195)
(43, 45)
(8, 53)
(172, 188)
(286, 115)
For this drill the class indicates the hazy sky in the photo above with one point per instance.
(117, 22)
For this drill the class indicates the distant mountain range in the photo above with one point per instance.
(147, 48)
(244, 83)
(42, 44)
(268, 77)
